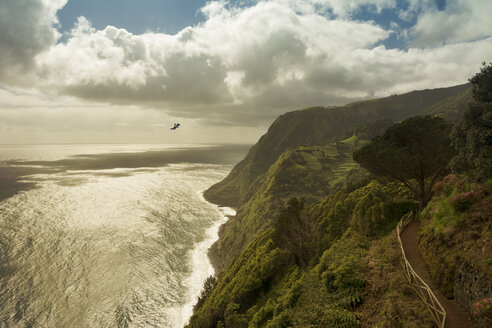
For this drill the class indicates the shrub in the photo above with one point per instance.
(483, 308)
(463, 201)
(207, 288)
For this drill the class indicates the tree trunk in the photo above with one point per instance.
(422, 197)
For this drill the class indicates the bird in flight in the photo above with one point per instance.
(176, 125)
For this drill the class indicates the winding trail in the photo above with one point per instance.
(454, 317)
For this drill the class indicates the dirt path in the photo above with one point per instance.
(454, 317)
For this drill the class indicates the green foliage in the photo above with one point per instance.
(446, 208)
(207, 288)
(389, 301)
(248, 278)
(454, 232)
(310, 173)
(406, 152)
(318, 126)
(341, 268)
(286, 278)
(233, 318)
(451, 109)
(372, 129)
(312, 302)
(472, 135)
(472, 138)
(483, 308)
(482, 84)
(304, 264)
(277, 167)
(297, 232)
(372, 210)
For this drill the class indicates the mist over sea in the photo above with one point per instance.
(106, 235)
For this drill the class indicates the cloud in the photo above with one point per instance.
(341, 8)
(460, 21)
(37, 118)
(208, 70)
(27, 29)
(245, 65)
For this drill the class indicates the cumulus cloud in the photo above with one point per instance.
(459, 21)
(27, 29)
(209, 70)
(246, 65)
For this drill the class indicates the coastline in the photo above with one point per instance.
(203, 264)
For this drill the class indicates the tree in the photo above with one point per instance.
(415, 152)
(482, 84)
(207, 289)
(472, 135)
(297, 231)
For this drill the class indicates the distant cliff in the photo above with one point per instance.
(313, 243)
(258, 184)
(320, 125)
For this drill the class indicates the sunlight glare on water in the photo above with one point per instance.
(112, 248)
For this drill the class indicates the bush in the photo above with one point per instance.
(207, 288)
(483, 307)
(463, 201)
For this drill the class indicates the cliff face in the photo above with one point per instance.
(309, 172)
(253, 184)
(330, 260)
(315, 263)
(320, 125)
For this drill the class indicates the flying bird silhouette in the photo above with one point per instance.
(176, 125)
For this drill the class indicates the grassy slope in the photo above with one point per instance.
(452, 108)
(350, 278)
(310, 172)
(317, 126)
(454, 235)
(261, 285)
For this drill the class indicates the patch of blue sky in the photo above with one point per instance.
(390, 20)
(137, 17)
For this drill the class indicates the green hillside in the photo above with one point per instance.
(314, 244)
(452, 108)
(318, 126)
(267, 175)
(311, 172)
(315, 264)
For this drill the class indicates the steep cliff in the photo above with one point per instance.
(267, 175)
(313, 242)
(318, 126)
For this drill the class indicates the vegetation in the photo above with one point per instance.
(482, 84)
(313, 243)
(389, 301)
(451, 109)
(458, 229)
(309, 268)
(319, 126)
(406, 152)
(472, 136)
(308, 172)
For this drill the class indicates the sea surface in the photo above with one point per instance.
(107, 235)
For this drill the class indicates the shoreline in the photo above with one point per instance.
(203, 266)
(210, 254)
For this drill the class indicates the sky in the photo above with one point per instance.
(123, 71)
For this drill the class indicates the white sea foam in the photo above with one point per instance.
(202, 267)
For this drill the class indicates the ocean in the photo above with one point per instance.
(107, 235)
